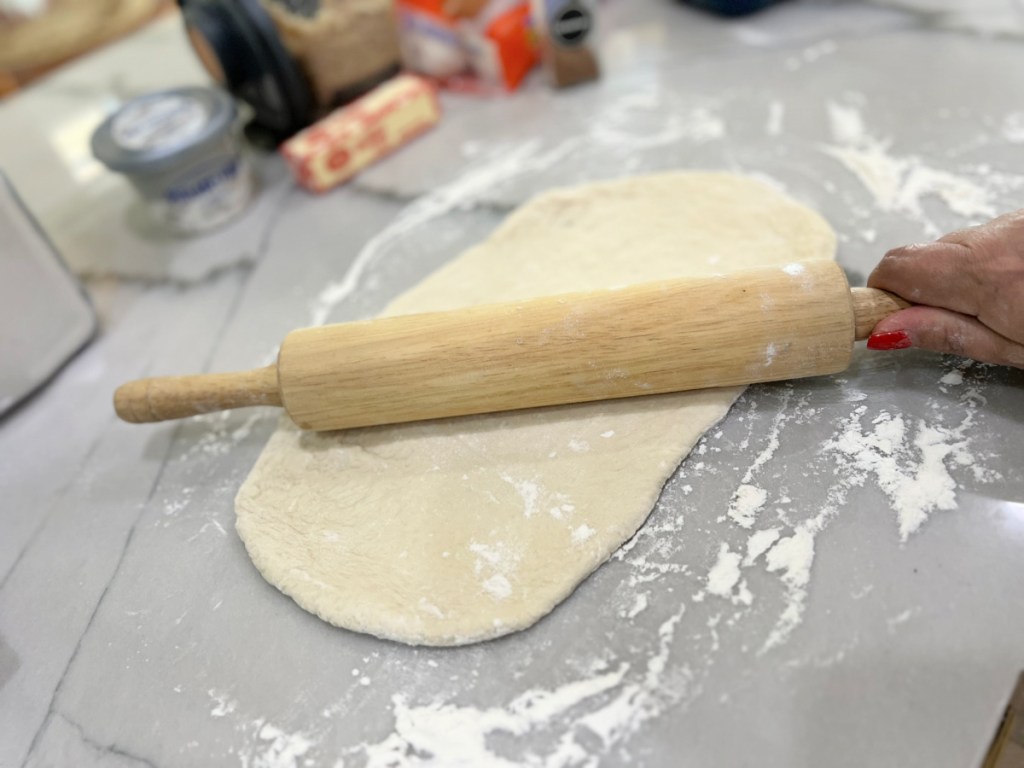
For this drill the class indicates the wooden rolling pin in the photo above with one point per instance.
(757, 325)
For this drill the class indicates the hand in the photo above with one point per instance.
(970, 288)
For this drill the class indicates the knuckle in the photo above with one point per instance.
(903, 251)
(958, 236)
(953, 340)
(1013, 355)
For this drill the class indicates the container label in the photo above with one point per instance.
(210, 199)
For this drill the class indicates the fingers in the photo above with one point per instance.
(1006, 230)
(941, 330)
(978, 271)
(939, 274)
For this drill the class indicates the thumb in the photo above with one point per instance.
(941, 330)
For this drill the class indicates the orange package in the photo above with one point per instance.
(507, 49)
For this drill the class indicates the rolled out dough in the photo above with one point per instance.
(455, 531)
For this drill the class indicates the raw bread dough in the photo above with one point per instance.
(454, 531)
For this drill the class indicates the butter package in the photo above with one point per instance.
(336, 148)
(566, 31)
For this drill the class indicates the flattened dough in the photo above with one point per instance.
(450, 532)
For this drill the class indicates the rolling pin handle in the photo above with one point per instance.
(175, 397)
(870, 307)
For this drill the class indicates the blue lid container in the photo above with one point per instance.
(179, 148)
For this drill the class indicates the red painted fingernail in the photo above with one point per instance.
(890, 340)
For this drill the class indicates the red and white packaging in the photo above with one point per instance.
(337, 147)
(469, 45)
(501, 43)
(430, 39)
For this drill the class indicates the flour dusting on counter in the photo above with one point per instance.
(280, 749)
(440, 733)
(748, 499)
(792, 557)
(1013, 127)
(609, 707)
(911, 463)
(619, 121)
(745, 504)
(913, 460)
(811, 54)
(269, 745)
(223, 433)
(776, 115)
(900, 183)
(725, 573)
(759, 543)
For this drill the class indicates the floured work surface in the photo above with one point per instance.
(455, 531)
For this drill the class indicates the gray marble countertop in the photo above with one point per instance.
(882, 627)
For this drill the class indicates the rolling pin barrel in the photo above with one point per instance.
(760, 325)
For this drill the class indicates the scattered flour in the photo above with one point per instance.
(725, 573)
(792, 557)
(776, 114)
(639, 605)
(745, 504)
(428, 607)
(221, 436)
(640, 121)
(1013, 127)
(953, 378)
(495, 564)
(748, 499)
(912, 460)
(582, 533)
(758, 544)
(564, 721)
(222, 704)
(911, 466)
(528, 491)
(898, 183)
(811, 54)
(498, 586)
(277, 748)
(847, 123)
(901, 618)
(423, 734)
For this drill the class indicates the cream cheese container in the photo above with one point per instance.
(180, 150)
